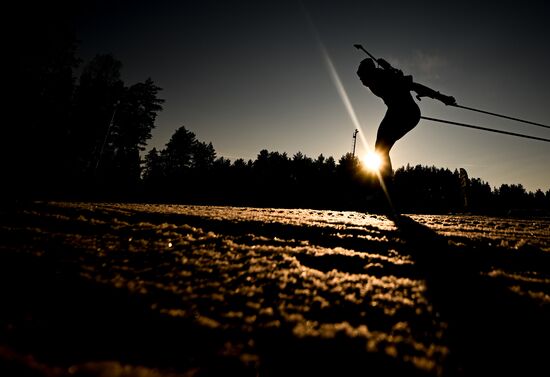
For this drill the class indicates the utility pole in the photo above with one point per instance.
(354, 141)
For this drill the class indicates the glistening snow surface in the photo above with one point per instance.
(298, 276)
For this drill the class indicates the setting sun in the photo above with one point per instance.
(372, 161)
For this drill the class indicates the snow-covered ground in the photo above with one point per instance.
(175, 290)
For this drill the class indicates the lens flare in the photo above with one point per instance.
(336, 78)
(376, 161)
(372, 161)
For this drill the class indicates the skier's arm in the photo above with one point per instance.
(421, 90)
(424, 91)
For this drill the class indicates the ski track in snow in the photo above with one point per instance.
(314, 275)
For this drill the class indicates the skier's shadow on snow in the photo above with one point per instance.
(492, 331)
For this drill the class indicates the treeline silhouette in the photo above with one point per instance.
(78, 128)
(188, 170)
(80, 131)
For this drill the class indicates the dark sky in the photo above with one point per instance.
(249, 75)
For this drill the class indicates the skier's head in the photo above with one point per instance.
(366, 69)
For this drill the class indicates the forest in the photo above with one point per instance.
(188, 170)
(81, 133)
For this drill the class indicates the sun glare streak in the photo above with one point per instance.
(374, 159)
(336, 79)
(343, 94)
(345, 99)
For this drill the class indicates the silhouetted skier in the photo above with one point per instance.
(403, 113)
